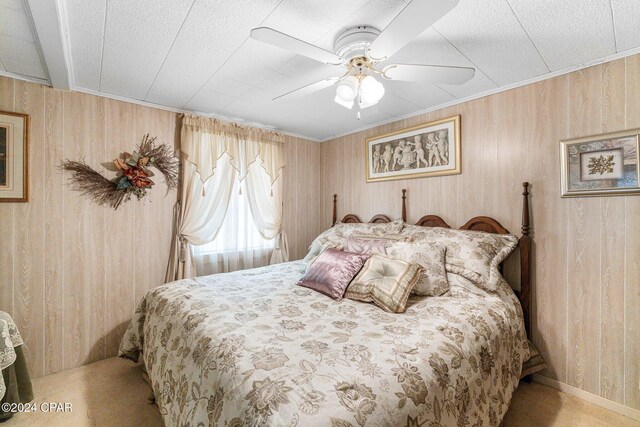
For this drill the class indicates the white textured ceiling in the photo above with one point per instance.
(19, 53)
(197, 55)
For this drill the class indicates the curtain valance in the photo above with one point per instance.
(205, 140)
(232, 152)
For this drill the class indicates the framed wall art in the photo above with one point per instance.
(600, 165)
(14, 157)
(430, 149)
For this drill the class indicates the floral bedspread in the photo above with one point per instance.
(251, 348)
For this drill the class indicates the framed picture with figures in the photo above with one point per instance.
(430, 149)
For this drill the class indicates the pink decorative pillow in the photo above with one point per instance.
(365, 246)
(332, 271)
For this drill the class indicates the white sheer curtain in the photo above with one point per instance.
(265, 200)
(220, 159)
(239, 244)
(198, 215)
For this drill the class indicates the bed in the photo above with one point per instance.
(250, 348)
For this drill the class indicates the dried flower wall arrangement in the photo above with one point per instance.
(134, 174)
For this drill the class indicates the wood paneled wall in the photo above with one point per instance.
(587, 251)
(301, 217)
(71, 272)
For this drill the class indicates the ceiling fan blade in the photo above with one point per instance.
(306, 90)
(284, 41)
(430, 73)
(414, 19)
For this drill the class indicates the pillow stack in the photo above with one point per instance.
(385, 281)
(349, 260)
(384, 263)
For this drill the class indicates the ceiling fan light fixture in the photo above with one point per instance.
(371, 91)
(347, 89)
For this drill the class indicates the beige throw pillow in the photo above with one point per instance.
(384, 281)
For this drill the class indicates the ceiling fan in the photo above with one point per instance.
(363, 51)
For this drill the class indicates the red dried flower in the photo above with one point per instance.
(138, 176)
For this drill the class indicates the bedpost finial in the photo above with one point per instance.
(526, 228)
(335, 212)
(404, 205)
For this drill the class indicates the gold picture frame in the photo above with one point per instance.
(600, 165)
(429, 149)
(14, 157)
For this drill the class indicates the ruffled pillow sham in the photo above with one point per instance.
(475, 255)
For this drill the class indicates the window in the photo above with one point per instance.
(214, 153)
(238, 244)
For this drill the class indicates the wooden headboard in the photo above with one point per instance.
(478, 223)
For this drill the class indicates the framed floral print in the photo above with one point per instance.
(600, 165)
(14, 157)
(430, 149)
